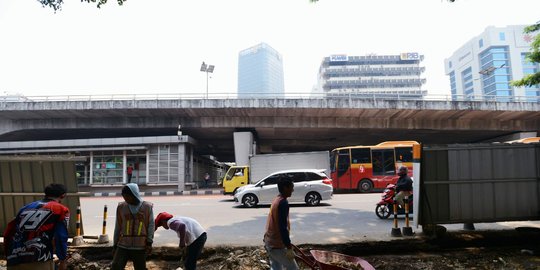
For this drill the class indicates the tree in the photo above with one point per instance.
(534, 57)
(57, 4)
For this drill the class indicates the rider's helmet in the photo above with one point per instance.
(403, 170)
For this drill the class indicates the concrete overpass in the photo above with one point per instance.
(279, 125)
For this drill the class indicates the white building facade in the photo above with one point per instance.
(391, 76)
(483, 68)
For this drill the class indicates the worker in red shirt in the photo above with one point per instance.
(38, 230)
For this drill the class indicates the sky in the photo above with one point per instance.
(157, 46)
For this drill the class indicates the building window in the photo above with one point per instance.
(453, 85)
(531, 92)
(481, 43)
(502, 36)
(108, 167)
(497, 76)
(163, 164)
(467, 79)
(449, 64)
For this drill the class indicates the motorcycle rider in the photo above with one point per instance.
(403, 185)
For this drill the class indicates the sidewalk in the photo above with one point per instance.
(145, 190)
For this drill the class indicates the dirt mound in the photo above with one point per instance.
(512, 249)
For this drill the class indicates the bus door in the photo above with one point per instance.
(384, 168)
(344, 170)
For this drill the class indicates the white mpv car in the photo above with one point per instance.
(310, 186)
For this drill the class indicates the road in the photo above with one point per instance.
(345, 218)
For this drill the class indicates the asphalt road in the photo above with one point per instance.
(345, 218)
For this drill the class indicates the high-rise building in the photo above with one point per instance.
(386, 76)
(260, 72)
(483, 68)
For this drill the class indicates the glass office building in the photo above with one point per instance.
(483, 68)
(260, 72)
(381, 76)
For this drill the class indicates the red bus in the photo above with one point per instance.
(364, 168)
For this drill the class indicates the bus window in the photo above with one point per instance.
(383, 162)
(404, 154)
(360, 155)
(344, 162)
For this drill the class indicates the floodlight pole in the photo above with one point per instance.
(208, 69)
(207, 84)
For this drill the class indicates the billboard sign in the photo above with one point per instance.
(338, 58)
(410, 56)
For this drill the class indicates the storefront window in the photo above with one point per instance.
(108, 167)
(137, 159)
(163, 163)
(82, 172)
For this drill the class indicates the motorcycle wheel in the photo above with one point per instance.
(382, 211)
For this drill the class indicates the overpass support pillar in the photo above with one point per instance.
(185, 165)
(243, 147)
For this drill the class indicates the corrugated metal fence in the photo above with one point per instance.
(23, 180)
(480, 183)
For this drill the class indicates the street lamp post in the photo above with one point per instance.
(207, 69)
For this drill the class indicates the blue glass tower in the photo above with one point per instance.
(484, 67)
(260, 72)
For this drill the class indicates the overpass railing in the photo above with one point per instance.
(198, 96)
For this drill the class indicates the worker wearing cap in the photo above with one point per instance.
(192, 236)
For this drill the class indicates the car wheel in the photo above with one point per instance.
(382, 211)
(250, 200)
(313, 198)
(365, 186)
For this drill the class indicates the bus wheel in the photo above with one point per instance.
(365, 186)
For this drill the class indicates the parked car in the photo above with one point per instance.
(310, 186)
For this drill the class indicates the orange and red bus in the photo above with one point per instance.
(526, 140)
(364, 168)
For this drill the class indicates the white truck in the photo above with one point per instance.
(261, 166)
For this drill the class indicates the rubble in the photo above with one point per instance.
(464, 250)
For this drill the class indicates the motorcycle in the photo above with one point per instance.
(385, 207)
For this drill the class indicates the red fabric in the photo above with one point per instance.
(161, 217)
(8, 236)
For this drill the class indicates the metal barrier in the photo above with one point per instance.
(23, 180)
(470, 183)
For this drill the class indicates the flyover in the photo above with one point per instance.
(279, 124)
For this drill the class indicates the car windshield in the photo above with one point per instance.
(230, 174)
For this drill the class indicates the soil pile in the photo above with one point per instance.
(512, 249)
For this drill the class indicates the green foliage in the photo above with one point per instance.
(57, 4)
(54, 4)
(103, 2)
(534, 57)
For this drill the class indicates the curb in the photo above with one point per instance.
(163, 193)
